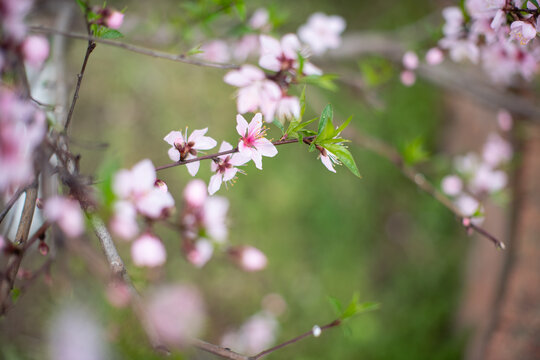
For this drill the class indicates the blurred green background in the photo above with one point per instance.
(324, 234)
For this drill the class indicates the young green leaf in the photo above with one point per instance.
(111, 34)
(279, 125)
(303, 102)
(326, 115)
(344, 156)
(343, 126)
(414, 152)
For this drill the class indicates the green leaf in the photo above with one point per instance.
(344, 156)
(355, 307)
(194, 50)
(15, 294)
(82, 5)
(343, 126)
(414, 152)
(240, 8)
(111, 34)
(326, 116)
(279, 125)
(325, 81)
(376, 71)
(303, 102)
(336, 305)
(105, 174)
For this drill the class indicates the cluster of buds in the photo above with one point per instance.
(110, 18)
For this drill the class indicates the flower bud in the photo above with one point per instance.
(35, 50)
(114, 19)
(248, 258)
(43, 248)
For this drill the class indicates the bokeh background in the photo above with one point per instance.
(325, 235)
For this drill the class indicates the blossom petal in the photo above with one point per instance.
(257, 159)
(143, 176)
(241, 125)
(328, 163)
(173, 136)
(174, 154)
(266, 148)
(215, 183)
(290, 46)
(193, 167)
(229, 174)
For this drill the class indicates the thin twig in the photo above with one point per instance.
(218, 350)
(379, 147)
(232, 151)
(91, 46)
(13, 263)
(133, 48)
(334, 323)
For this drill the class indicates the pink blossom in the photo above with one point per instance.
(481, 9)
(182, 149)
(138, 186)
(118, 294)
(408, 78)
(488, 180)
(249, 258)
(201, 253)
(216, 51)
(195, 193)
(246, 46)
(256, 92)
(322, 32)
(523, 31)
(260, 20)
(35, 50)
(66, 213)
(283, 55)
(410, 60)
(328, 159)
(467, 205)
(114, 19)
(504, 119)
(176, 314)
(124, 221)
(256, 334)
(434, 56)
(288, 108)
(453, 17)
(215, 218)
(22, 128)
(461, 49)
(452, 185)
(496, 150)
(148, 250)
(252, 143)
(499, 20)
(13, 14)
(225, 167)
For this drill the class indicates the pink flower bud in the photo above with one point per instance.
(408, 78)
(434, 56)
(452, 185)
(201, 253)
(410, 60)
(35, 50)
(505, 120)
(160, 184)
(114, 20)
(195, 193)
(466, 222)
(148, 251)
(249, 258)
(43, 248)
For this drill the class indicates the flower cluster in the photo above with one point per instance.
(486, 37)
(22, 129)
(140, 192)
(479, 176)
(15, 42)
(287, 60)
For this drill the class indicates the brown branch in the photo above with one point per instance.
(12, 202)
(183, 58)
(232, 151)
(13, 263)
(218, 350)
(91, 46)
(379, 147)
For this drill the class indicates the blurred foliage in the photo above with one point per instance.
(326, 235)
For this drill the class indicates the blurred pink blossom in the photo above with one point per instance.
(216, 51)
(410, 60)
(322, 32)
(522, 31)
(114, 19)
(256, 91)
(248, 258)
(148, 250)
(260, 20)
(124, 220)
(201, 253)
(408, 78)
(434, 56)
(215, 218)
(452, 185)
(504, 119)
(35, 50)
(283, 55)
(195, 193)
(176, 314)
(66, 213)
(488, 180)
(288, 108)
(255, 335)
(496, 150)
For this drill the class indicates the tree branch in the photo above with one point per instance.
(183, 58)
(232, 151)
